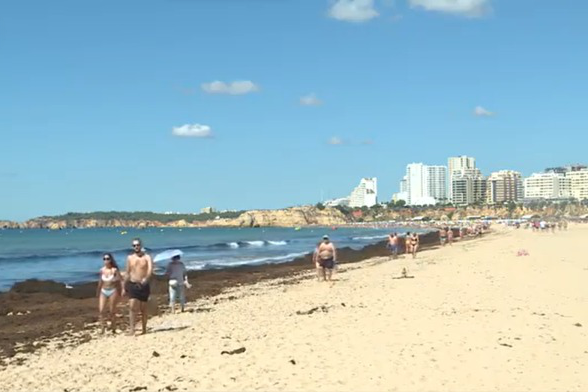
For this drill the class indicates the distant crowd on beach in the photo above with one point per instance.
(544, 226)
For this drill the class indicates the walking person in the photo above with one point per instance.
(178, 282)
(108, 291)
(327, 254)
(138, 272)
(450, 236)
(407, 243)
(315, 260)
(393, 244)
(443, 236)
(414, 244)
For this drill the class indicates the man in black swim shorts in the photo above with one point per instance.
(327, 254)
(138, 272)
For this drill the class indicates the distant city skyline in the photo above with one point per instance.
(232, 104)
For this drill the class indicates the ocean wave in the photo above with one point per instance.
(224, 263)
(74, 253)
(373, 237)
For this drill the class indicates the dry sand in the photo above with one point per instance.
(475, 317)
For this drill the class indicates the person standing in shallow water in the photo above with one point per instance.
(326, 256)
(138, 272)
(108, 291)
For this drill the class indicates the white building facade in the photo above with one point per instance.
(365, 194)
(547, 186)
(578, 184)
(467, 187)
(457, 165)
(425, 185)
(504, 186)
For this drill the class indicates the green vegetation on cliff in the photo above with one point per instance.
(141, 216)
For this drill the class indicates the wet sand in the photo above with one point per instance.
(472, 316)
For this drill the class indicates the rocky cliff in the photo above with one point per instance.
(290, 217)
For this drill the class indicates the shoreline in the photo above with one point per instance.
(43, 309)
(479, 315)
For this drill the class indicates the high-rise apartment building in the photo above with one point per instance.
(467, 187)
(550, 185)
(437, 182)
(458, 165)
(578, 183)
(504, 186)
(425, 184)
(365, 194)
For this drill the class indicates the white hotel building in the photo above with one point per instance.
(425, 185)
(578, 184)
(365, 194)
(547, 186)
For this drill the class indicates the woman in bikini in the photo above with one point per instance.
(108, 290)
(414, 244)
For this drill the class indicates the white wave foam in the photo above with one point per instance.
(375, 237)
(233, 245)
(255, 243)
(277, 243)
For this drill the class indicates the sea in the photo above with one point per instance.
(74, 256)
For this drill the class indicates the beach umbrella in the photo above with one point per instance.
(167, 255)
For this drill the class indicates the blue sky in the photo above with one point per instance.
(179, 104)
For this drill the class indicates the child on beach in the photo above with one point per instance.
(178, 280)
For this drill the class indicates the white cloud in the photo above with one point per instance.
(353, 10)
(238, 87)
(469, 8)
(481, 112)
(335, 141)
(310, 100)
(192, 130)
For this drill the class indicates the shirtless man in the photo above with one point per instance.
(139, 271)
(393, 244)
(327, 254)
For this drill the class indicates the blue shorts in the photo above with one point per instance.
(393, 248)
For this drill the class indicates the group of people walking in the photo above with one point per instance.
(411, 244)
(134, 283)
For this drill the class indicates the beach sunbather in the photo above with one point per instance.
(138, 272)
(108, 290)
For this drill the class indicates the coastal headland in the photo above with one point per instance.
(292, 217)
(503, 312)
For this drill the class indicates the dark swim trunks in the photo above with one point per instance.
(138, 291)
(327, 263)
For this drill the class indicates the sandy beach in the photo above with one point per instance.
(475, 316)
